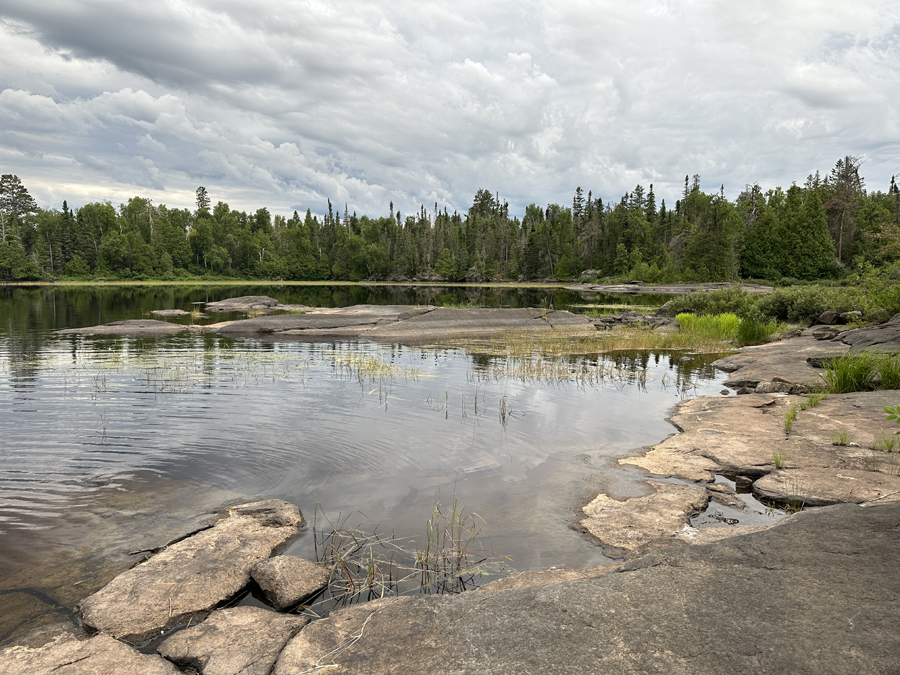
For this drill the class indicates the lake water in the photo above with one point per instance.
(114, 445)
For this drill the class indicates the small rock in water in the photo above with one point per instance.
(288, 580)
(724, 392)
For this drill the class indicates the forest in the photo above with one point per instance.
(827, 227)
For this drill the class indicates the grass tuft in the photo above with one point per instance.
(841, 437)
(789, 417)
(864, 371)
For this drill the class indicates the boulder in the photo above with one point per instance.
(236, 641)
(882, 338)
(190, 578)
(773, 387)
(66, 655)
(288, 580)
(828, 318)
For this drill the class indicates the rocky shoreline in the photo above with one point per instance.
(819, 584)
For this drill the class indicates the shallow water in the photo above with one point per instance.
(110, 445)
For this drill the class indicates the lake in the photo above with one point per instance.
(112, 446)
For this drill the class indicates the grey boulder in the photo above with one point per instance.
(288, 580)
(101, 655)
(237, 641)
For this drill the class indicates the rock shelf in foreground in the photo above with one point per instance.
(192, 577)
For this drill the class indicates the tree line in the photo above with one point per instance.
(821, 229)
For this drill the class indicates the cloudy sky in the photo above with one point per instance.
(285, 103)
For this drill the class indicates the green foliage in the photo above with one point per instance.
(841, 437)
(790, 417)
(719, 327)
(815, 398)
(778, 459)
(865, 371)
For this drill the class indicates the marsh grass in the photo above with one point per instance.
(864, 371)
(364, 564)
(562, 342)
(721, 327)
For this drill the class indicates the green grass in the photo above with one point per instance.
(815, 399)
(778, 459)
(722, 327)
(841, 437)
(789, 417)
(864, 371)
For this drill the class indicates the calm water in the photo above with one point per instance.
(108, 444)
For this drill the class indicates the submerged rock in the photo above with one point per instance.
(237, 641)
(288, 580)
(190, 578)
(68, 656)
(633, 522)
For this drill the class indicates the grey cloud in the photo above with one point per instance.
(286, 104)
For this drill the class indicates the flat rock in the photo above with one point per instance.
(667, 289)
(551, 576)
(244, 303)
(188, 579)
(628, 524)
(821, 487)
(883, 338)
(740, 436)
(288, 580)
(65, 655)
(169, 312)
(128, 327)
(783, 361)
(823, 583)
(237, 641)
(453, 322)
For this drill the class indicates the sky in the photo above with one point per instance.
(285, 104)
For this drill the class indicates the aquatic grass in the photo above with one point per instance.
(363, 564)
(721, 327)
(864, 371)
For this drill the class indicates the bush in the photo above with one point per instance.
(733, 299)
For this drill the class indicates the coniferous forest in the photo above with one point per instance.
(823, 229)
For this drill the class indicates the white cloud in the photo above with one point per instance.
(287, 104)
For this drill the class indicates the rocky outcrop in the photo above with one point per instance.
(128, 327)
(745, 437)
(823, 582)
(787, 362)
(882, 338)
(288, 580)
(633, 319)
(190, 578)
(245, 303)
(65, 655)
(237, 641)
